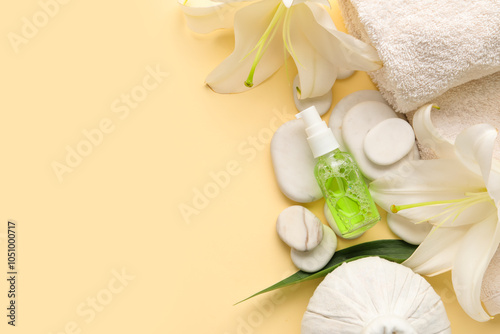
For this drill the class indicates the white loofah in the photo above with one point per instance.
(375, 296)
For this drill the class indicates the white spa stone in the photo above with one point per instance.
(343, 106)
(333, 225)
(406, 230)
(294, 163)
(317, 258)
(344, 74)
(299, 228)
(358, 121)
(389, 141)
(322, 103)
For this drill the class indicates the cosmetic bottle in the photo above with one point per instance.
(339, 178)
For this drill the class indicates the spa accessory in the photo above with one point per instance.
(293, 161)
(375, 296)
(421, 44)
(339, 178)
(315, 259)
(299, 228)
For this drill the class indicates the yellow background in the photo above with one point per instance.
(118, 210)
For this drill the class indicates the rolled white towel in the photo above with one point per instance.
(427, 46)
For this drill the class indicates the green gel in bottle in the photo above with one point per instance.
(339, 179)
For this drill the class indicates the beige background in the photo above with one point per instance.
(117, 211)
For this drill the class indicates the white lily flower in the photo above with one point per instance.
(267, 31)
(459, 195)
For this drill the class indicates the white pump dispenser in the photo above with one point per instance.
(319, 136)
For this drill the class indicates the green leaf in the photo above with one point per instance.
(392, 250)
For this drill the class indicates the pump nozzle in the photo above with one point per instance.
(319, 136)
(310, 116)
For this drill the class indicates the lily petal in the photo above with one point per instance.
(322, 103)
(347, 52)
(296, 2)
(431, 180)
(250, 23)
(204, 16)
(472, 259)
(342, 73)
(412, 233)
(428, 135)
(436, 254)
(475, 148)
(494, 187)
(310, 49)
(233, 1)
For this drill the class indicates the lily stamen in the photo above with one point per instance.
(456, 207)
(397, 208)
(481, 196)
(264, 41)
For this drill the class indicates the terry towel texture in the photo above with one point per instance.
(426, 46)
(475, 102)
(444, 52)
